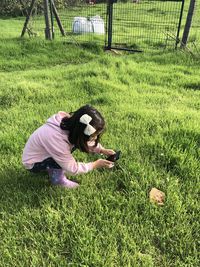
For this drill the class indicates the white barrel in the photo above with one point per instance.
(98, 24)
(82, 25)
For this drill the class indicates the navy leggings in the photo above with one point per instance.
(48, 163)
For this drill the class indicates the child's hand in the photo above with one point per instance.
(102, 163)
(107, 152)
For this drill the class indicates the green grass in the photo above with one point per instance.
(151, 103)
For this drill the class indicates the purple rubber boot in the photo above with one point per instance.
(57, 177)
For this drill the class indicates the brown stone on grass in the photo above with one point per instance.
(156, 196)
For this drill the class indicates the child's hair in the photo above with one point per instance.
(76, 128)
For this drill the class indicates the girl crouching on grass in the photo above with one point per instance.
(50, 147)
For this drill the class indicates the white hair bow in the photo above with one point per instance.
(89, 129)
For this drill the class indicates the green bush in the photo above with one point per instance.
(19, 7)
(16, 7)
(10, 7)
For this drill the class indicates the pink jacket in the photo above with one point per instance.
(51, 141)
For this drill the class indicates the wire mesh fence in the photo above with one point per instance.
(143, 24)
(85, 22)
(36, 25)
(136, 24)
(82, 22)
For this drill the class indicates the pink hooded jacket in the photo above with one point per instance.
(51, 141)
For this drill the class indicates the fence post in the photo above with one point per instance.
(110, 21)
(52, 24)
(28, 18)
(48, 34)
(179, 24)
(55, 12)
(188, 23)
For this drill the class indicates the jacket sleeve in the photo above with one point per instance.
(61, 153)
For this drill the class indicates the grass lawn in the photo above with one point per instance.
(151, 103)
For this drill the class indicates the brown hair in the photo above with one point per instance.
(76, 128)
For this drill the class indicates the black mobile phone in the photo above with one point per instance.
(114, 157)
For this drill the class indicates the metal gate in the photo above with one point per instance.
(141, 24)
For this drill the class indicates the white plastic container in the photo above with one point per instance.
(83, 25)
(98, 24)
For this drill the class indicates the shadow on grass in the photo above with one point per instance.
(17, 18)
(20, 189)
(18, 54)
(195, 86)
(168, 57)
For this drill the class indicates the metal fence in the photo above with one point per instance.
(85, 22)
(126, 24)
(141, 24)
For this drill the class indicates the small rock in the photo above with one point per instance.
(157, 196)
